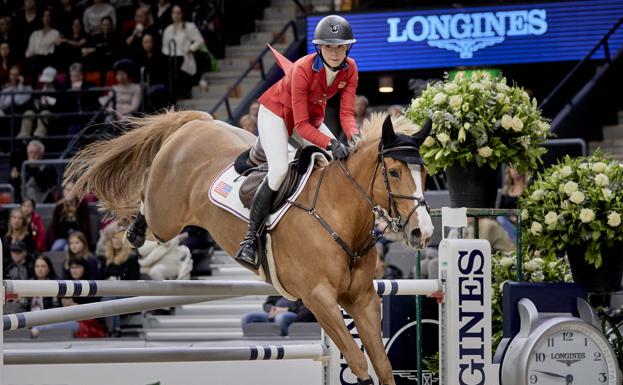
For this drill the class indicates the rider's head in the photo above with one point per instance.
(333, 38)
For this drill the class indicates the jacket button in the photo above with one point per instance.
(324, 94)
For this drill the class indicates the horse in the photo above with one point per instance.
(165, 165)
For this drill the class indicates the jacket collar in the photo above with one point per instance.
(318, 64)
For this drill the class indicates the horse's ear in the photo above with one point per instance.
(421, 135)
(389, 136)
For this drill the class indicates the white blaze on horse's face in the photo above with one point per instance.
(425, 224)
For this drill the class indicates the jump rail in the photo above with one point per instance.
(176, 354)
(44, 288)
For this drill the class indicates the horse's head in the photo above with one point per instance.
(399, 186)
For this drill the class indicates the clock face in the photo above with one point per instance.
(571, 354)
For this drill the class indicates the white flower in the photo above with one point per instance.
(555, 175)
(543, 126)
(536, 228)
(507, 262)
(525, 95)
(614, 219)
(467, 125)
(429, 141)
(601, 179)
(537, 276)
(566, 171)
(571, 187)
(607, 193)
(502, 87)
(506, 121)
(516, 124)
(450, 87)
(485, 151)
(538, 261)
(455, 101)
(587, 215)
(486, 83)
(465, 107)
(439, 98)
(552, 265)
(583, 165)
(530, 266)
(551, 217)
(565, 205)
(524, 214)
(577, 197)
(537, 195)
(599, 167)
(501, 98)
(476, 86)
(568, 277)
(443, 138)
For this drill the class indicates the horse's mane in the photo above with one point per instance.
(372, 127)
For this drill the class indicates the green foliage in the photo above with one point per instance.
(579, 200)
(479, 120)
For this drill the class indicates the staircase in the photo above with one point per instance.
(612, 142)
(238, 58)
(213, 320)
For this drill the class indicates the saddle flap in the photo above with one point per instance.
(254, 179)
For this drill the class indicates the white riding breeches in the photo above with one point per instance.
(273, 135)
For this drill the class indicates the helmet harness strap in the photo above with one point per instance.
(339, 67)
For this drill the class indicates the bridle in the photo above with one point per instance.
(396, 222)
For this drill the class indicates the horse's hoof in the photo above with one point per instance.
(135, 239)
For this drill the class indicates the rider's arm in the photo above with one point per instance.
(347, 102)
(300, 89)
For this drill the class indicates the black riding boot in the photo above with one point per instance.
(260, 209)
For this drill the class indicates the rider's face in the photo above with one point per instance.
(334, 54)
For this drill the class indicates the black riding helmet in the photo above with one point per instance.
(333, 30)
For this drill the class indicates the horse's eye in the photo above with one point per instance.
(393, 173)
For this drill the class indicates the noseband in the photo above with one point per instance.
(396, 223)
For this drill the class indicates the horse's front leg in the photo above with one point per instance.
(363, 304)
(322, 301)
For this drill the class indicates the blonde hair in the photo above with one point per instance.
(17, 234)
(119, 256)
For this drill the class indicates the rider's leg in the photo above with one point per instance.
(274, 138)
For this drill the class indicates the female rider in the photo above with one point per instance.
(295, 106)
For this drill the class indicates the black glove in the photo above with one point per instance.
(338, 150)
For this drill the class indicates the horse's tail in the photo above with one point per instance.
(114, 169)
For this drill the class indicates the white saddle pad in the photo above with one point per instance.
(224, 192)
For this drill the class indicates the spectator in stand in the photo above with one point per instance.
(128, 93)
(6, 62)
(154, 67)
(44, 105)
(42, 44)
(187, 41)
(513, 186)
(21, 266)
(7, 36)
(18, 231)
(280, 311)
(94, 14)
(100, 51)
(41, 180)
(69, 216)
(143, 25)
(27, 20)
(79, 249)
(249, 123)
(254, 108)
(361, 109)
(162, 15)
(44, 270)
(78, 101)
(15, 103)
(169, 260)
(394, 110)
(69, 49)
(35, 223)
(65, 13)
(386, 271)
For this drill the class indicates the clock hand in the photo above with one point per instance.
(554, 374)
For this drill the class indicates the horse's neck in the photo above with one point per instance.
(350, 209)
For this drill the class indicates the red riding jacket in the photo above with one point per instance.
(300, 97)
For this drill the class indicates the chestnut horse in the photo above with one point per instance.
(167, 163)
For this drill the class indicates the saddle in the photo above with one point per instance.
(253, 165)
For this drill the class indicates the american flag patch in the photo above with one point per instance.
(223, 189)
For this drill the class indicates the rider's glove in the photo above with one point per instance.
(338, 150)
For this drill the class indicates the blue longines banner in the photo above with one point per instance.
(492, 35)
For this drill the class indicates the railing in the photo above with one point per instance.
(603, 42)
(257, 62)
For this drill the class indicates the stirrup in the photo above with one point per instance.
(369, 381)
(252, 263)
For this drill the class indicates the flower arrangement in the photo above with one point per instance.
(535, 268)
(579, 200)
(479, 120)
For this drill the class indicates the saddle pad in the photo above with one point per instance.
(224, 192)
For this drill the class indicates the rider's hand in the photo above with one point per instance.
(338, 150)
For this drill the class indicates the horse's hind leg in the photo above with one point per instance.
(135, 233)
(322, 302)
(366, 312)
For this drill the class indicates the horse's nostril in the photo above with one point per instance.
(416, 233)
